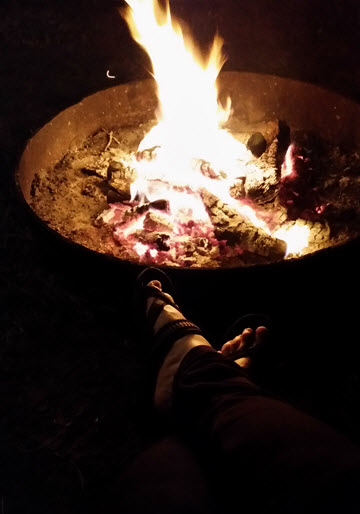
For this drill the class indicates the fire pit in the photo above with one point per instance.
(275, 176)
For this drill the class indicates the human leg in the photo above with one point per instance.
(283, 460)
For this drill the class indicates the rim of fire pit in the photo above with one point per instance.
(254, 97)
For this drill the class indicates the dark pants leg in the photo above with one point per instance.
(166, 478)
(264, 454)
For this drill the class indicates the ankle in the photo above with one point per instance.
(170, 366)
(168, 314)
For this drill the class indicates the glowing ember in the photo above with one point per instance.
(188, 150)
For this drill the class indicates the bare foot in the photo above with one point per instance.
(231, 348)
(242, 342)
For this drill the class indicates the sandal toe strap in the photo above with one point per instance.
(169, 334)
(160, 300)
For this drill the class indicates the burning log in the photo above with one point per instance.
(161, 205)
(92, 171)
(123, 215)
(119, 178)
(237, 190)
(231, 226)
(262, 180)
(319, 232)
(122, 189)
(152, 221)
(117, 170)
(106, 217)
(157, 239)
(115, 197)
(155, 223)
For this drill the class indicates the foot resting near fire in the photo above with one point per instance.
(231, 349)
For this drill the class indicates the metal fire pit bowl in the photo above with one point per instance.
(254, 97)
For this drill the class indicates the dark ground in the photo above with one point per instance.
(70, 376)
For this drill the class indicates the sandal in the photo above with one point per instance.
(162, 341)
(252, 321)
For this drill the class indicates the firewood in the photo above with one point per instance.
(106, 217)
(154, 222)
(319, 232)
(161, 205)
(262, 180)
(117, 170)
(122, 188)
(96, 170)
(229, 225)
(115, 197)
(237, 190)
(117, 217)
(156, 239)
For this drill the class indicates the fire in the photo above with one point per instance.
(189, 148)
(287, 168)
(296, 237)
(185, 78)
(189, 114)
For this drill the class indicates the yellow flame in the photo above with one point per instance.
(190, 120)
(185, 77)
(295, 236)
(189, 116)
(287, 167)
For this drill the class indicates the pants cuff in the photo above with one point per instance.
(165, 378)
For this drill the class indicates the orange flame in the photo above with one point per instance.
(185, 77)
(190, 119)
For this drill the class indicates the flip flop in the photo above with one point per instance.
(162, 341)
(252, 321)
(143, 291)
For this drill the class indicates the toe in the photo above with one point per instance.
(155, 283)
(169, 313)
(243, 341)
(261, 335)
(227, 349)
(247, 337)
(232, 347)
